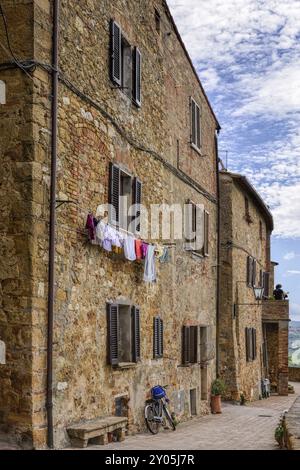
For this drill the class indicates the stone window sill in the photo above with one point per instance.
(194, 147)
(125, 365)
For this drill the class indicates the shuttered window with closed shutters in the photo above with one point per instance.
(195, 124)
(157, 337)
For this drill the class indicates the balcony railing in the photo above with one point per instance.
(275, 310)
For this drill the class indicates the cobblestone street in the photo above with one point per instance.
(248, 427)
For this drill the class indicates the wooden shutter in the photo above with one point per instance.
(156, 337)
(250, 343)
(112, 334)
(137, 199)
(137, 67)
(247, 331)
(193, 346)
(115, 53)
(193, 122)
(136, 336)
(266, 284)
(206, 233)
(253, 272)
(114, 193)
(249, 271)
(185, 345)
(254, 350)
(161, 338)
(261, 281)
(198, 127)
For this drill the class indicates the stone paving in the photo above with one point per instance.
(237, 428)
(249, 427)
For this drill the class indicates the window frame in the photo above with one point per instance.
(128, 58)
(196, 125)
(114, 334)
(136, 192)
(190, 345)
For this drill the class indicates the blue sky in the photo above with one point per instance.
(247, 54)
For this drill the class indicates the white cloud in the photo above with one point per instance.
(247, 55)
(293, 272)
(289, 256)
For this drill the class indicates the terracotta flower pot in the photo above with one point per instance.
(216, 404)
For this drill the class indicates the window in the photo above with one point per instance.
(247, 211)
(193, 401)
(157, 20)
(125, 64)
(251, 271)
(189, 345)
(250, 336)
(260, 230)
(206, 233)
(197, 228)
(158, 339)
(195, 125)
(123, 338)
(124, 190)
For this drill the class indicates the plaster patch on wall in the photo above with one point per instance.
(62, 386)
(2, 353)
(2, 92)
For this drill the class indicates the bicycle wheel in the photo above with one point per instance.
(152, 417)
(169, 417)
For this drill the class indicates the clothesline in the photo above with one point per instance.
(118, 240)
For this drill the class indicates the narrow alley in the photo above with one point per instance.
(249, 427)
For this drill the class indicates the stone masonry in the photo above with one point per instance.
(99, 124)
(246, 226)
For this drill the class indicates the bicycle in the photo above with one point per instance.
(157, 412)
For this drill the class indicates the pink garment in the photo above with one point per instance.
(144, 249)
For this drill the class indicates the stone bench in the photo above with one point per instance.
(96, 431)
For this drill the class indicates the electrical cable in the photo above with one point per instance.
(23, 67)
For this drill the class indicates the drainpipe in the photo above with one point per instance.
(218, 259)
(51, 267)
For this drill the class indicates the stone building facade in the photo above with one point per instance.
(253, 333)
(139, 120)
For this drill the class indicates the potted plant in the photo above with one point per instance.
(217, 389)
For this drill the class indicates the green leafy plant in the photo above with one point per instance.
(242, 399)
(279, 433)
(218, 387)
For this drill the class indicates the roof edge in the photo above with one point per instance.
(169, 14)
(245, 183)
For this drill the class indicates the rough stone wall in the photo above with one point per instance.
(273, 344)
(228, 355)
(275, 310)
(292, 426)
(86, 278)
(17, 235)
(240, 375)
